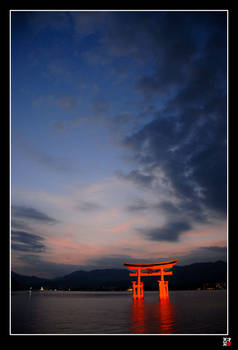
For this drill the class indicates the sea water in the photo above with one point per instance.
(74, 312)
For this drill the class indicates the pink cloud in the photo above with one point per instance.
(207, 231)
(121, 227)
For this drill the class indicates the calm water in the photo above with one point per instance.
(186, 312)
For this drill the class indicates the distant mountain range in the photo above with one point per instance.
(198, 275)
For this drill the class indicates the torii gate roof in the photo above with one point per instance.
(164, 264)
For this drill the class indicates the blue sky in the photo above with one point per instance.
(118, 138)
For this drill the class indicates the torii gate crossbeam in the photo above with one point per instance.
(138, 291)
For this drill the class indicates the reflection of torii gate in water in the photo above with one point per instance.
(138, 291)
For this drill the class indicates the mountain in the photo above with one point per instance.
(198, 275)
(19, 282)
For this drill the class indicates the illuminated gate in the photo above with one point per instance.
(151, 270)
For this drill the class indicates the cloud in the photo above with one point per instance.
(89, 206)
(168, 207)
(109, 261)
(19, 224)
(186, 208)
(137, 177)
(215, 249)
(32, 23)
(170, 232)
(138, 205)
(187, 139)
(114, 40)
(182, 48)
(204, 254)
(31, 214)
(67, 102)
(59, 126)
(27, 242)
(34, 264)
(100, 107)
(38, 155)
(39, 21)
(60, 70)
(88, 22)
(122, 227)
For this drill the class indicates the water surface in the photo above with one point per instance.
(68, 312)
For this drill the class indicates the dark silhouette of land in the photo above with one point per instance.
(195, 276)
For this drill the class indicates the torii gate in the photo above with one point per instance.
(138, 291)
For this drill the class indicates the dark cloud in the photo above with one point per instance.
(187, 138)
(138, 205)
(204, 254)
(29, 24)
(115, 40)
(100, 107)
(36, 154)
(89, 206)
(19, 224)
(168, 207)
(41, 20)
(89, 22)
(32, 214)
(189, 209)
(144, 38)
(216, 249)
(59, 126)
(137, 177)
(169, 232)
(67, 102)
(180, 218)
(192, 160)
(34, 264)
(27, 242)
(109, 261)
(185, 44)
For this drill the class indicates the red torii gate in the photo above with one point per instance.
(138, 291)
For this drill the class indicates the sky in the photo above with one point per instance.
(118, 139)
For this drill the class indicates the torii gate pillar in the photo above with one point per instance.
(138, 291)
(163, 286)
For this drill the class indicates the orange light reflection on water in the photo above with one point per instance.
(153, 318)
(138, 316)
(166, 316)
